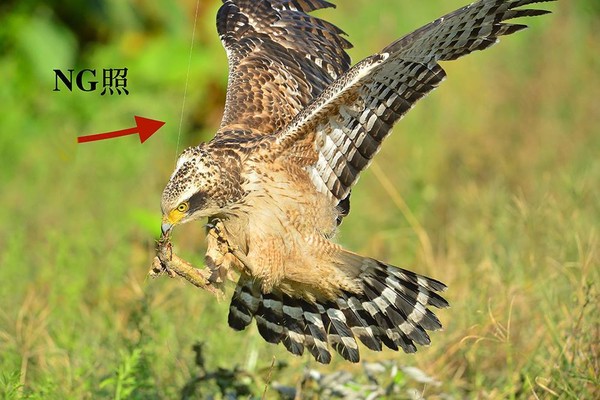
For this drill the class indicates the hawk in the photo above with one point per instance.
(299, 126)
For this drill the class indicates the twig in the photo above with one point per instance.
(166, 261)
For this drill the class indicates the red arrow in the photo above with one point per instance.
(144, 126)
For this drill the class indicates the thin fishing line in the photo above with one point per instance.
(187, 79)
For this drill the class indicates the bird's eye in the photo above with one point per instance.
(183, 207)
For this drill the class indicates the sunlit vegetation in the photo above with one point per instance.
(491, 184)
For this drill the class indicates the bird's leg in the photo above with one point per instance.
(164, 252)
(166, 261)
(219, 257)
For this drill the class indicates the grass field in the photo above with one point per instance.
(491, 184)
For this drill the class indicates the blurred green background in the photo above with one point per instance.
(491, 184)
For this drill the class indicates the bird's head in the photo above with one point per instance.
(192, 191)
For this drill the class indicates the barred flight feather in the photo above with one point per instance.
(298, 129)
(391, 309)
(294, 326)
(353, 115)
(315, 335)
(276, 44)
(360, 325)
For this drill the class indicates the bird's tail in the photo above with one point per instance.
(391, 310)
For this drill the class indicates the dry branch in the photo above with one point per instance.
(167, 262)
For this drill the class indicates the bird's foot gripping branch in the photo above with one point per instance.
(166, 262)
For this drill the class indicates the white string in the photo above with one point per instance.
(187, 79)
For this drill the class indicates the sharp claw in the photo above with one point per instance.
(212, 224)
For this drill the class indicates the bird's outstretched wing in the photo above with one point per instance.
(340, 132)
(280, 58)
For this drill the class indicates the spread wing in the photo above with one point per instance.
(280, 58)
(339, 133)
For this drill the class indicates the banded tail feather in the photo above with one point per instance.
(299, 127)
(392, 310)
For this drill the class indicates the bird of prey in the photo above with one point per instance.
(299, 126)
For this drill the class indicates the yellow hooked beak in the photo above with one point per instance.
(170, 220)
(174, 217)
